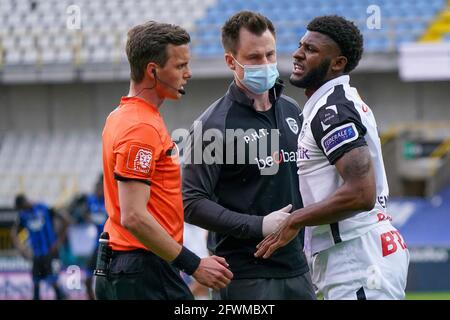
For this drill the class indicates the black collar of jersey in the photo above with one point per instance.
(236, 94)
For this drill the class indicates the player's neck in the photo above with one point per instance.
(309, 92)
(145, 92)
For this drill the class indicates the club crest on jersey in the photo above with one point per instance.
(338, 137)
(328, 116)
(292, 125)
(37, 223)
(139, 159)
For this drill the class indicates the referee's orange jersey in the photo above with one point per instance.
(137, 146)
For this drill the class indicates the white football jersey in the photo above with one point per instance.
(336, 120)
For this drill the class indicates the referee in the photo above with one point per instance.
(142, 178)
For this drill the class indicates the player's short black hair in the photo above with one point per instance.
(20, 201)
(254, 22)
(345, 33)
(148, 42)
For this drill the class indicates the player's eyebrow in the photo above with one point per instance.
(306, 43)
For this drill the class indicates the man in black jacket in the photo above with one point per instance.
(235, 189)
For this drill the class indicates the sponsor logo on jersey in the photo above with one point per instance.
(276, 158)
(338, 137)
(292, 125)
(303, 153)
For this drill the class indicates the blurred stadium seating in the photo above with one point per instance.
(37, 34)
(404, 21)
(51, 168)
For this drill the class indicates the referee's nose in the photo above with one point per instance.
(188, 73)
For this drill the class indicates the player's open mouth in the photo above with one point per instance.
(298, 69)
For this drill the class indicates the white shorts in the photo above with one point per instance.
(373, 266)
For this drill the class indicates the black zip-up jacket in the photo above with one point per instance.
(231, 199)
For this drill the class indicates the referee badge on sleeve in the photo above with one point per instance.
(139, 159)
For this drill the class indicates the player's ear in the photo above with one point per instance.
(338, 64)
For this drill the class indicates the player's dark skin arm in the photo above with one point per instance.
(357, 193)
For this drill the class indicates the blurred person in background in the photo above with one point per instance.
(96, 215)
(44, 241)
(195, 238)
(142, 179)
(89, 213)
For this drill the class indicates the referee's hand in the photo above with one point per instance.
(277, 239)
(213, 272)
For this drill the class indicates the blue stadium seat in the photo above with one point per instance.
(399, 17)
(405, 38)
(377, 45)
(402, 20)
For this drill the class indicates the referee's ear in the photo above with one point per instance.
(151, 70)
(338, 64)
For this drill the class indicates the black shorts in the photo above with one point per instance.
(42, 268)
(140, 274)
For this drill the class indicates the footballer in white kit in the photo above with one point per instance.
(353, 250)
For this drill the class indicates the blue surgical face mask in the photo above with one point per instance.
(259, 78)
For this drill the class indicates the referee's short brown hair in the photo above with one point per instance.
(148, 42)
